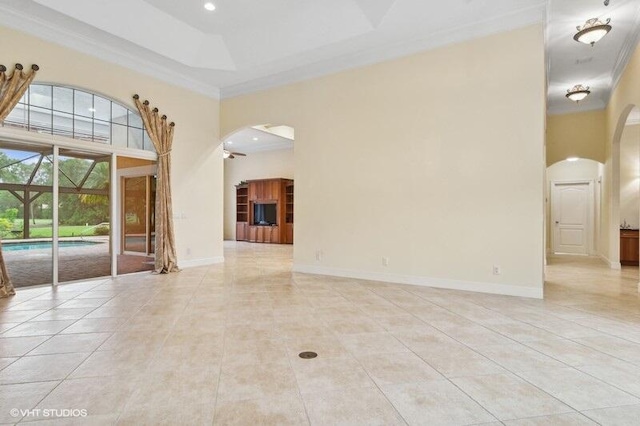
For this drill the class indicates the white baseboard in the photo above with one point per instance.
(613, 265)
(200, 262)
(479, 287)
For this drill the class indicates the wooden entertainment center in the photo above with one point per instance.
(264, 211)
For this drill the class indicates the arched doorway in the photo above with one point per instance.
(625, 200)
(259, 152)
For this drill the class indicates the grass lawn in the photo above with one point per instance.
(43, 229)
(64, 231)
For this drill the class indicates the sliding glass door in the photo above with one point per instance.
(26, 213)
(84, 224)
(57, 214)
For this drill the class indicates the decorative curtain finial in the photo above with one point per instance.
(13, 85)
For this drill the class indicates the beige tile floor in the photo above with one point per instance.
(220, 344)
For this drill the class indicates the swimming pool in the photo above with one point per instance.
(40, 245)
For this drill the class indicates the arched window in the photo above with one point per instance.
(77, 114)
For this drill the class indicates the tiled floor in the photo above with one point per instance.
(220, 345)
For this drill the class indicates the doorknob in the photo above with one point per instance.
(557, 223)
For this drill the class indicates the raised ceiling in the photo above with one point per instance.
(248, 45)
(245, 45)
(251, 140)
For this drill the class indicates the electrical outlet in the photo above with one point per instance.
(385, 261)
(188, 251)
(319, 255)
(496, 270)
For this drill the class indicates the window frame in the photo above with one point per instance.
(55, 115)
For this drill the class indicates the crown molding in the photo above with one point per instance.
(507, 22)
(625, 55)
(45, 30)
(547, 55)
(573, 108)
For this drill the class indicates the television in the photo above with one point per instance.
(264, 214)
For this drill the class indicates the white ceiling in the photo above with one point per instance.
(248, 45)
(598, 67)
(243, 141)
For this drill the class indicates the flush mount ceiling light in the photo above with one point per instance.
(210, 6)
(578, 93)
(592, 31)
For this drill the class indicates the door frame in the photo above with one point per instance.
(131, 172)
(591, 209)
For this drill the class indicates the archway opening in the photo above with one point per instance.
(259, 184)
(628, 173)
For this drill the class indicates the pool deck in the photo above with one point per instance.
(34, 267)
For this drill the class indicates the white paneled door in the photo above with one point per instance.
(571, 217)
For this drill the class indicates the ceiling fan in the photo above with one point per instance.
(229, 154)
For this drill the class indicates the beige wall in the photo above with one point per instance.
(567, 171)
(580, 135)
(429, 161)
(197, 174)
(257, 165)
(630, 176)
(625, 95)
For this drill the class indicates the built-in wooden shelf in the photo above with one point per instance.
(265, 191)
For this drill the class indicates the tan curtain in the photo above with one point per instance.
(161, 134)
(12, 87)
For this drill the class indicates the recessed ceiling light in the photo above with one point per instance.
(578, 93)
(584, 60)
(210, 6)
(572, 159)
(592, 31)
(255, 139)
